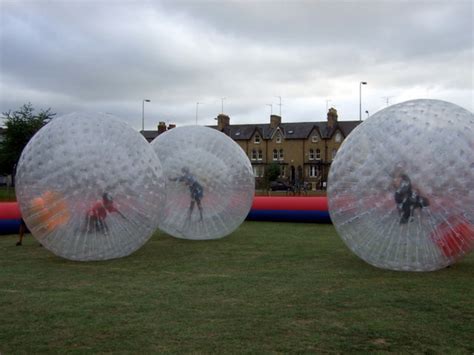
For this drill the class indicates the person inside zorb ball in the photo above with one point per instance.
(209, 183)
(401, 187)
(90, 187)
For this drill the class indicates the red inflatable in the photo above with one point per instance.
(9, 210)
(290, 209)
(10, 217)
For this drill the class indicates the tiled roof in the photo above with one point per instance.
(290, 130)
(149, 135)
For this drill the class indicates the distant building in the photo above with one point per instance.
(150, 134)
(303, 150)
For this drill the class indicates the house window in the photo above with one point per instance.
(281, 154)
(278, 138)
(257, 139)
(334, 151)
(315, 138)
(313, 171)
(260, 154)
(311, 154)
(258, 171)
(282, 171)
(318, 154)
(275, 154)
(338, 137)
(254, 154)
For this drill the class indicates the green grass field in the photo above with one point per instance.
(7, 194)
(269, 287)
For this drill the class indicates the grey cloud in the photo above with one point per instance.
(110, 55)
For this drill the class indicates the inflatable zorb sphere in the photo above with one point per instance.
(89, 187)
(401, 188)
(209, 182)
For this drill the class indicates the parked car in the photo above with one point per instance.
(280, 186)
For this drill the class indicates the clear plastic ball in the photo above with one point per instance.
(401, 188)
(90, 187)
(209, 182)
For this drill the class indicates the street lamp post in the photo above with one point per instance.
(143, 113)
(197, 108)
(360, 98)
(222, 107)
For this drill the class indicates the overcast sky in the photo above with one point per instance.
(107, 56)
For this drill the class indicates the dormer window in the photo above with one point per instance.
(315, 138)
(278, 138)
(257, 139)
(338, 137)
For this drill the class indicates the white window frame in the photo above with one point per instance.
(253, 155)
(313, 171)
(338, 137)
(275, 154)
(282, 171)
(315, 138)
(257, 170)
(281, 156)
(278, 138)
(311, 154)
(317, 155)
(257, 139)
(260, 155)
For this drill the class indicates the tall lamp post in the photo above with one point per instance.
(197, 108)
(360, 98)
(143, 113)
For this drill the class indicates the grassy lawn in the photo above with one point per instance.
(7, 194)
(269, 287)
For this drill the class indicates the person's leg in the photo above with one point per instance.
(405, 212)
(191, 208)
(200, 208)
(21, 233)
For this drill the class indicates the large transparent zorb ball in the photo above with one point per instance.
(90, 187)
(401, 188)
(209, 182)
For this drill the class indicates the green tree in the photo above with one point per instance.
(272, 172)
(20, 125)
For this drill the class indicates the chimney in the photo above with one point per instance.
(171, 126)
(223, 121)
(275, 121)
(332, 117)
(161, 127)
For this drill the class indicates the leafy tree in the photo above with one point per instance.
(272, 172)
(20, 125)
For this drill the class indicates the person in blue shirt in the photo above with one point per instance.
(195, 189)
